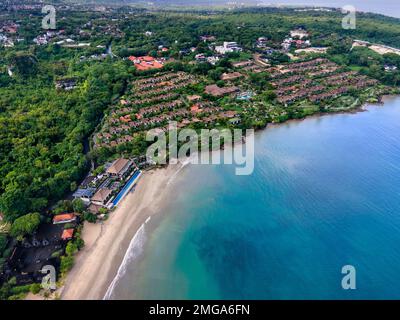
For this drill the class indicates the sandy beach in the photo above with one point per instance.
(106, 243)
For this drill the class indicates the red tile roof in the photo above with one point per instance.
(195, 108)
(64, 217)
(146, 58)
(67, 234)
(145, 63)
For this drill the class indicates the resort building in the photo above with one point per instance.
(286, 44)
(102, 196)
(67, 234)
(216, 91)
(244, 96)
(262, 42)
(65, 84)
(201, 57)
(212, 60)
(228, 47)
(94, 208)
(206, 38)
(312, 50)
(87, 181)
(120, 168)
(84, 194)
(390, 68)
(64, 218)
(146, 63)
(299, 33)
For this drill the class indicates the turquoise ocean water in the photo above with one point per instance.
(325, 193)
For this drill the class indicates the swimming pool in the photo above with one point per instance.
(125, 189)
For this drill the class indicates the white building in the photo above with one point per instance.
(212, 60)
(200, 57)
(300, 33)
(40, 40)
(262, 42)
(228, 47)
(65, 41)
(286, 44)
(389, 68)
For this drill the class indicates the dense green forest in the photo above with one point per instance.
(244, 26)
(43, 131)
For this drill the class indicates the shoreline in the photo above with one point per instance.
(106, 244)
(357, 109)
(99, 264)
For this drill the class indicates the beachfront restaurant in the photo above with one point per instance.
(120, 168)
(102, 196)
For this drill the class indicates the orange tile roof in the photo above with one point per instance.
(126, 118)
(67, 234)
(145, 63)
(64, 217)
(195, 108)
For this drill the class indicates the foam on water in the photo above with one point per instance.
(135, 249)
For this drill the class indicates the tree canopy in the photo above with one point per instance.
(25, 225)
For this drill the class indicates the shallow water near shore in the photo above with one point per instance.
(325, 193)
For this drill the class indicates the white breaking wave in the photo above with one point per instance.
(134, 250)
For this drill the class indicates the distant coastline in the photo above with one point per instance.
(391, 8)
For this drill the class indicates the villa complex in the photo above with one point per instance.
(315, 80)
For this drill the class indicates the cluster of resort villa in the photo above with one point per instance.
(155, 101)
(316, 80)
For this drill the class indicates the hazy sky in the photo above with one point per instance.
(388, 7)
